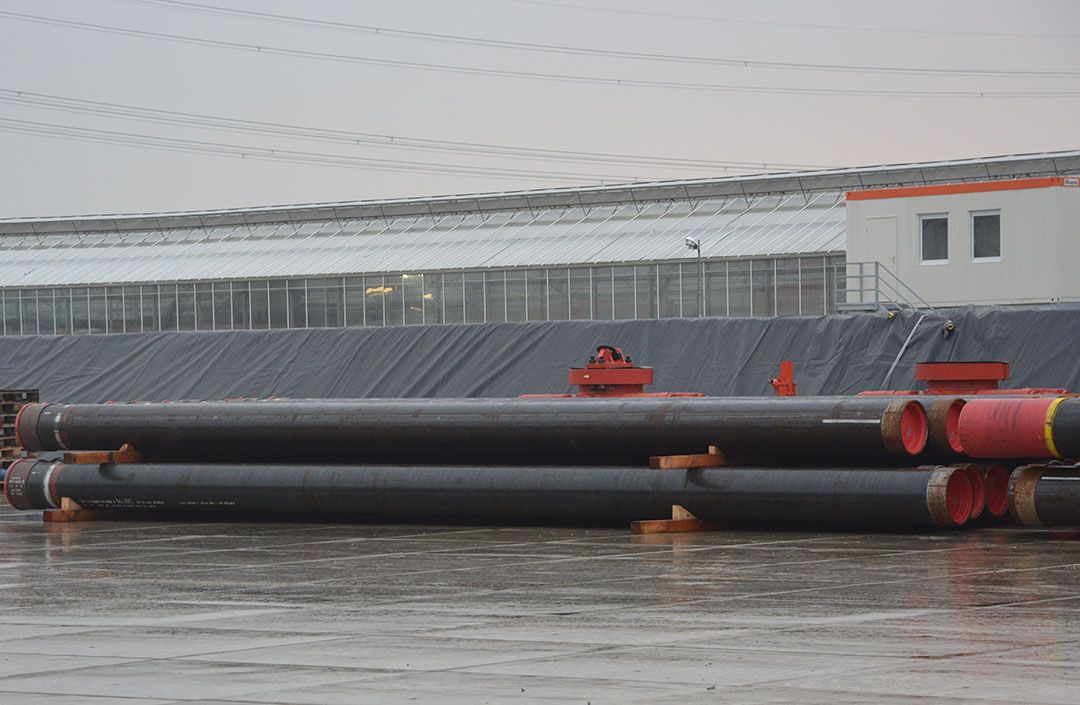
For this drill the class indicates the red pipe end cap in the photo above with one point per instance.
(996, 481)
(978, 490)
(914, 428)
(958, 497)
(952, 426)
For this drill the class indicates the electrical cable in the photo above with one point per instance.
(285, 155)
(184, 5)
(257, 127)
(507, 73)
(793, 25)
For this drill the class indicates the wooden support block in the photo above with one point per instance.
(695, 460)
(669, 526)
(63, 516)
(70, 511)
(680, 513)
(126, 454)
(681, 521)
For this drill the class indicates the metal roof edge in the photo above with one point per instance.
(979, 168)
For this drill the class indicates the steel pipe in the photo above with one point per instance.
(752, 430)
(943, 419)
(854, 496)
(1045, 495)
(1065, 428)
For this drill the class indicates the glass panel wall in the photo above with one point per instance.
(716, 291)
(760, 287)
(691, 289)
(516, 295)
(453, 297)
(433, 298)
(788, 295)
(149, 308)
(624, 294)
(738, 288)
(62, 306)
(354, 301)
(812, 286)
(80, 311)
(536, 296)
(669, 283)
(763, 283)
(645, 288)
(580, 293)
(603, 304)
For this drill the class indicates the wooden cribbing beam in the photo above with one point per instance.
(681, 520)
(126, 454)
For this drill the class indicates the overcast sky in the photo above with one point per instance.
(63, 66)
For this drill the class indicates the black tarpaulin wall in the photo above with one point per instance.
(716, 356)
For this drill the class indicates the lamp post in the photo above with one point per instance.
(693, 243)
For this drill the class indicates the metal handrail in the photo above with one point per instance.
(886, 287)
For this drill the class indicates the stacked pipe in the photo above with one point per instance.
(1041, 434)
(807, 460)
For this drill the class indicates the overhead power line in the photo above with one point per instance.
(274, 129)
(84, 134)
(507, 73)
(184, 5)
(795, 25)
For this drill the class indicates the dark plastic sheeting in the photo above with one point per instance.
(716, 356)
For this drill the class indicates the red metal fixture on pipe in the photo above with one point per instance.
(610, 373)
(967, 378)
(961, 377)
(784, 383)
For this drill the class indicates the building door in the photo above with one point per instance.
(880, 240)
(879, 245)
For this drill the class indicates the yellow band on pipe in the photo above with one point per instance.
(1048, 427)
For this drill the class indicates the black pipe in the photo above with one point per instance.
(1045, 495)
(1065, 431)
(921, 496)
(854, 430)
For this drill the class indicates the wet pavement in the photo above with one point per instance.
(137, 613)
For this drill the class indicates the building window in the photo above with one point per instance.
(934, 238)
(986, 235)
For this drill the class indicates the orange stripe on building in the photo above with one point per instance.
(969, 187)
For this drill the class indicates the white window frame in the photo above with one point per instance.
(971, 222)
(934, 216)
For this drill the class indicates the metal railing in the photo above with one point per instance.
(871, 286)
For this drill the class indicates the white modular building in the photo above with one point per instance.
(1009, 241)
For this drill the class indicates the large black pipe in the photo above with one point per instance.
(922, 496)
(1065, 428)
(1045, 495)
(834, 430)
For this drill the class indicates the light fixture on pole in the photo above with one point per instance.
(692, 243)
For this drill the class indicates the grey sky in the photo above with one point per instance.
(45, 175)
